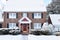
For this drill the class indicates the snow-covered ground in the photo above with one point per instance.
(28, 37)
(43, 37)
(13, 37)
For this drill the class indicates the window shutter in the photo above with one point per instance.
(32, 15)
(7, 25)
(16, 15)
(41, 15)
(0, 25)
(17, 24)
(32, 26)
(27, 15)
(7, 15)
(41, 25)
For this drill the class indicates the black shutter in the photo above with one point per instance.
(16, 15)
(41, 15)
(17, 24)
(7, 25)
(7, 15)
(32, 26)
(33, 15)
(41, 25)
(0, 25)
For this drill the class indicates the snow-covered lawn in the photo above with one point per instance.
(28, 37)
(43, 37)
(13, 37)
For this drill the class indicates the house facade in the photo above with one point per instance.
(25, 18)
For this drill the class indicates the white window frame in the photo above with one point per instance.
(12, 25)
(24, 14)
(37, 15)
(37, 25)
(12, 15)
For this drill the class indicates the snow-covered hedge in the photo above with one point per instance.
(47, 28)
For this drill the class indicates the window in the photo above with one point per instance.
(24, 14)
(37, 15)
(12, 15)
(12, 25)
(37, 25)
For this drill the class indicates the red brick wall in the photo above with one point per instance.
(7, 20)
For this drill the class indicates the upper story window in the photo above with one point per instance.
(37, 25)
(37, 15)
(12, 15)
(24, 14)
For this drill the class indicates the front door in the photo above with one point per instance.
(25, 28)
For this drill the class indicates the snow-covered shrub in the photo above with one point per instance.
(47, 28)
(36, 32)
(1, 32)
(14, 32)
(57, 33)
(51, 28)
(5, 31)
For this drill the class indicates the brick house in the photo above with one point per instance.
(25, 19)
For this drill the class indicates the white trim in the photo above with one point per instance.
(20, 21)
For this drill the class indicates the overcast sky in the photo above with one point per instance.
(45, 2)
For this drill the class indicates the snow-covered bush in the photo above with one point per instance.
(5, 31)
(14, 32)
(1, 32)
(51, 28)
(56, 33)
(47, 28)
(36, 32)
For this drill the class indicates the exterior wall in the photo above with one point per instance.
(42, 20)
(7, 20)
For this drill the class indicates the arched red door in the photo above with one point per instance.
(25, 28)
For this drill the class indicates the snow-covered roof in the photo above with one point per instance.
(25, 20)
(24, 5)
(55, 19)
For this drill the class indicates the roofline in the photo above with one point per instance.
(23, 11)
